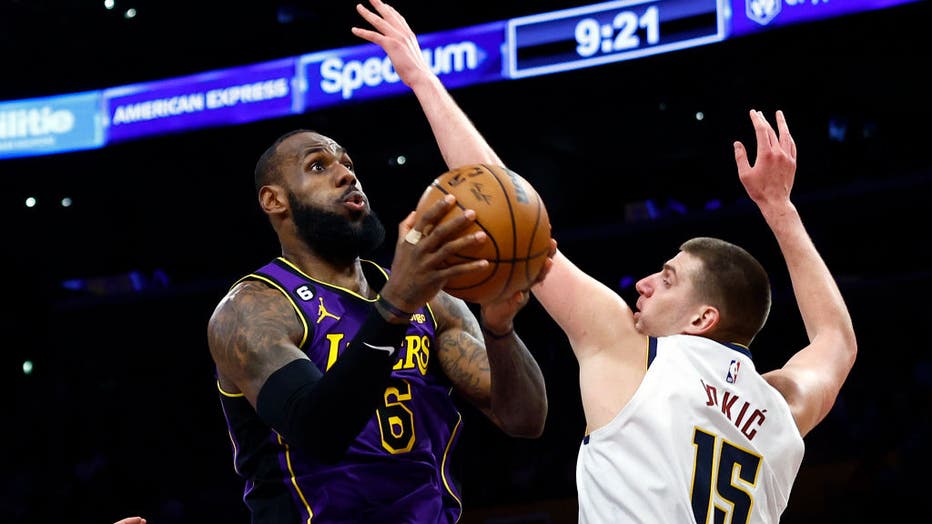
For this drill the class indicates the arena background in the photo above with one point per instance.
(119, 415)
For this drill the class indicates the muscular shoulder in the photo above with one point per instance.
(250, 303)
(245, 328)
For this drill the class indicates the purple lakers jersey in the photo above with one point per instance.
(398, 468)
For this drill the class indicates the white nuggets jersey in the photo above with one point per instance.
(704, 439)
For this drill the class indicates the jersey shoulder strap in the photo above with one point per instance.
(291, 282)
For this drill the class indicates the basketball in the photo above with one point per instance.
(513, 216)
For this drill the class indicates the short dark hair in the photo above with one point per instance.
(266, 171)
(737, 284)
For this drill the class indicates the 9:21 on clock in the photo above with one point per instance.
(621, 34)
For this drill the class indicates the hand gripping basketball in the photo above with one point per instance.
(510, 211)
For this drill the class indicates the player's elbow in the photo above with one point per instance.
(848, 348)
(529, 424)
(841, 348)
(532, 431)
(528, 431)
(852, 351)
(845, 349)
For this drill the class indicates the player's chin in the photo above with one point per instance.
(639, 323)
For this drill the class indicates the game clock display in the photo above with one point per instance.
(609, 32)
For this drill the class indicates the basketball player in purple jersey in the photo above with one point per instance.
(336, 375)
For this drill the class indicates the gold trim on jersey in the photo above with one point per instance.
(294, 480)
(350, 291)
(226, 394)
(290, 300)
(328, 284)
(443, 463)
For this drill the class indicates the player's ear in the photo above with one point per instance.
(272, 199)
(704, 320)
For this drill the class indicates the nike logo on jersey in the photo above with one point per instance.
(388, 349)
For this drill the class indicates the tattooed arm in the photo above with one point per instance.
(252, 333)
(253, 336)
(497, 374)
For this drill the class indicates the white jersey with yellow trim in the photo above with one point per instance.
(704, 439)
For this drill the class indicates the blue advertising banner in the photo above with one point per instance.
(221, 97)
(48, 125)
(751, 16)
(467, 56)
(503, 50)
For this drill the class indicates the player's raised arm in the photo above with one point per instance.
(812, 378)
(499, 375)
(459, 141)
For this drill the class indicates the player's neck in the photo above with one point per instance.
(348, 276)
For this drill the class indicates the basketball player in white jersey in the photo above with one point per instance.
(681, 426)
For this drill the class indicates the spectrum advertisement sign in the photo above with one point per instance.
(460, 57)
(48, 125)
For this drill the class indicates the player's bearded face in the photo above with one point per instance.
(334, 237)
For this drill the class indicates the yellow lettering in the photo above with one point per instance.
(419, 351)
(335, 339)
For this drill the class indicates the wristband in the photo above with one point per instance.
(391, 308)
(496, 336)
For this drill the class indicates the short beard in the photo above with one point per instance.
(333, 237)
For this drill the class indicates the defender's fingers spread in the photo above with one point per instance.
(781, 124)
(741, 157)
(772, 139)
(760, 130)
(781, 118)
(786, 139)
(382, 7)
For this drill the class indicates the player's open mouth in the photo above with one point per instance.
(355, 201)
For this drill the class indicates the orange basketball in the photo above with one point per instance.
(511, 213)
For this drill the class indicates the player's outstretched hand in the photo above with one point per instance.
(769, 181)
(396, 38)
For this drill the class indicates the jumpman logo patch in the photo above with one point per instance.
(322, 312)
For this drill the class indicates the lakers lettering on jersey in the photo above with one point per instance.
(407, 439)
